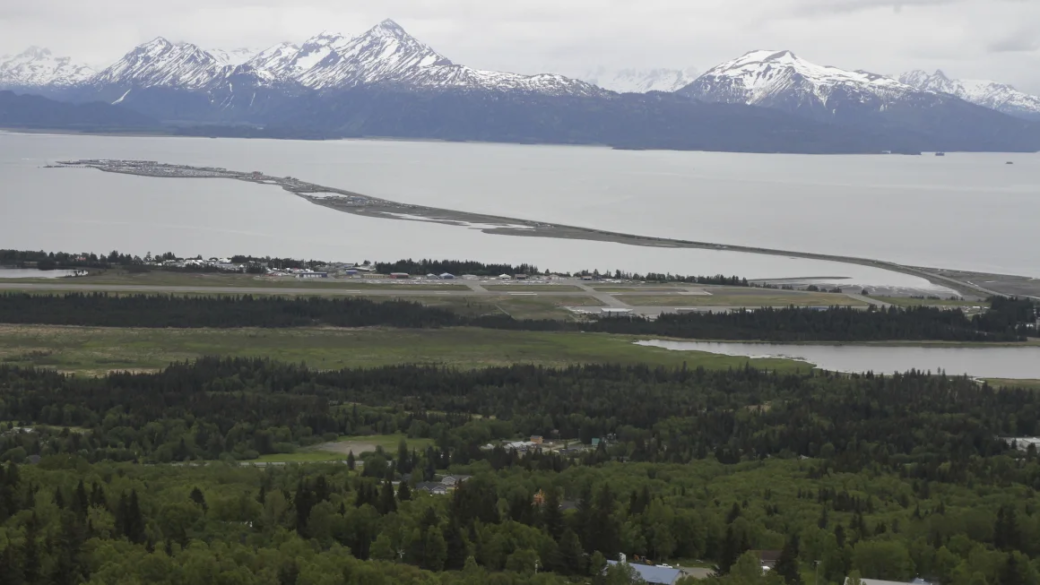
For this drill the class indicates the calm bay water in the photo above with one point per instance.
(979, 362)
(962, 211)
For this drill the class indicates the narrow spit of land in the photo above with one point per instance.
(364, 205)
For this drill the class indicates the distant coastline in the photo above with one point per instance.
(367, 206)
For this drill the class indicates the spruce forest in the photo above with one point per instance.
(254, 471)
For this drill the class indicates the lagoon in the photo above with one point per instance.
(1017, 362)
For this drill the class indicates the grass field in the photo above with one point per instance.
(1027, 384)
(362, 444)
(629, 289)
(908, 302)
(342, 447)
(523, 307)
(766, 299)
(93, 350)
(544, 288)
(301, 457)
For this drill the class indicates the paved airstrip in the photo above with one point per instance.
(621, 298)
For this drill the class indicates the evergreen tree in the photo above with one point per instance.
(31, 553)
(81, 501)
(134, 523)
(1011, 574)
(787, 564)
(387, 501)
(606, 536)
(456, 550)
(11, 566)
(198, 497)
(435, 551)
(729, 551)
(571, 555)
(552, 516)
(404, 493)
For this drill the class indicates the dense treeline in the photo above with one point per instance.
(106, 310)
(54, 260)
(245, 408)
(1009, 320)
(908, 476)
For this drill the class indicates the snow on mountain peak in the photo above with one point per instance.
(38, 67)
(387, 54)
(234, 57)
(633, 80)
(990, 94)
(162, 63)
(389, 26)
(768, 76)
(384, 53)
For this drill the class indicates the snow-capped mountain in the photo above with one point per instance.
(780, 79)
(640, 80)
(160, 63)
(386, 54)
(906, 117)
(285, 62)
(38, 67)
(234, 57)
(989, 94)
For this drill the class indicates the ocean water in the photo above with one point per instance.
(961, 211)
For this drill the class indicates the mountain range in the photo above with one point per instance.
(634, 80)
(996, 96)
(385, 82)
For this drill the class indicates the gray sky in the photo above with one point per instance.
(997, 39)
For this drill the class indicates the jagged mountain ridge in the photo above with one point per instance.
(990, 94)
(160, 63)
(782, 80)
(37, 67)
(866, 101)
(234, 57)
(383, 55)
(386, 54)
(634, 80)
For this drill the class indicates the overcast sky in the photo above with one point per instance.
(997, 39)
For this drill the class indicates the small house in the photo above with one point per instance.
(883, 582)
(768, 559)
(432, 487)
(654, 575)
(454, 480)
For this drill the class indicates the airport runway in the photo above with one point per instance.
(468, 289)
